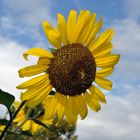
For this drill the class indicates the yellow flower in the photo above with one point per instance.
(81, 60)
(26, 123)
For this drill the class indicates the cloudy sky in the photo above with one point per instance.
(20, 28)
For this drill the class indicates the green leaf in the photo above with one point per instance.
(6, 99)
(3, 122)
(53, 50)
(27, 133)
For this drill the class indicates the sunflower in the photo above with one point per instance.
(22, 119)
(81, 61)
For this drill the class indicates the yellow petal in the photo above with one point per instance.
(46, 27)
(2, 128)
(51, 109)
(107, 61)
(62, 28)
(33, 92)
(97, 94)
(26, 126)
(95, 29)
(71, 23)
(103, 50)
(37, 52)
(104, 72)
(20, 116)
(43, 61)
(61, 106)
(19, 120)
(71, 114)
(33, 82)
(54, 38)
(92, 103)
(35, 127)
(47, 100)
(49, 122)
(87, 30)
(81, 106)
(82, 21)
(32, 70)
(102, 40)
(16, 104)
(21, 112)
(39, 97)
(103, 82)
(52, 34)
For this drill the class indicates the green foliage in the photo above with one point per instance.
(7, 100)
(52, 50)
(12, 109)
(32, 113)
(3, 122)
(57, 130)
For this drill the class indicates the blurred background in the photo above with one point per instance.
(20, 29)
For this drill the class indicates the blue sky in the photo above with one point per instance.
(20, 28)
(106, 9)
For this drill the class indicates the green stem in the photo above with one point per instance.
(11, 120)
(42, 124)
(10, 114)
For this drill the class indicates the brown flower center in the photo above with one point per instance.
(72, 70)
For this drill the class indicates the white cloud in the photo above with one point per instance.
(118, 120)
(127, 37)
(126, 42)
(29, 12)
(26, 18)
(11, 61)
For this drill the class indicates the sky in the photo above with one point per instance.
(20, 29)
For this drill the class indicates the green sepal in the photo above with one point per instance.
(53, 50)
(52, 92)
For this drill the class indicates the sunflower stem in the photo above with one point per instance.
(11, 120)
(42, 124)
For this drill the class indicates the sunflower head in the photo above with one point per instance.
(82, 59)
(75, 65)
